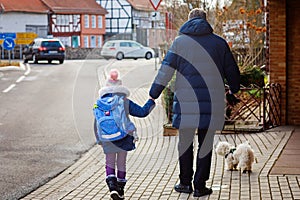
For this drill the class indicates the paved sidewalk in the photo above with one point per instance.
(152, 169)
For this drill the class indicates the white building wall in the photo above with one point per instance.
(16, 22)
(118, 19)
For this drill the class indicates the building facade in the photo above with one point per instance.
(15, 16)
(134, 20)
(76, 24)
(284, 59)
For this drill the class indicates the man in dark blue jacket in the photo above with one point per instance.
(201, 61)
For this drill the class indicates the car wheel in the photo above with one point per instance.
(106, 57)
(148, 55)
(49, 61)
(119, 56)
(61, 61)
(35, 61)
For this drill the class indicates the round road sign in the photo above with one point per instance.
(8, 44)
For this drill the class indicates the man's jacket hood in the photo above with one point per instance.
(196, 26)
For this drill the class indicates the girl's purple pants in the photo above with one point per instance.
(119, 160)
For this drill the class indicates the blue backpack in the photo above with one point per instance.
(112, 121)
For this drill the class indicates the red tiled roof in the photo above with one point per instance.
(75, 6)
(143, 5)
(34, 6)
(57, 6)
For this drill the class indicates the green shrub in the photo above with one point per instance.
(253, 75)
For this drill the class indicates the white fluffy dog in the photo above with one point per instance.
(240, 157)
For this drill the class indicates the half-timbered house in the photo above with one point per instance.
(77, 23)
(134, 19)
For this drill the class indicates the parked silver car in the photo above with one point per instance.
(120, 49)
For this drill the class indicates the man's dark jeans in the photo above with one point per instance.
(186, 156)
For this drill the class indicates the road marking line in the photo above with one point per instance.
(9, 88)
(20, 79)
(28, 69)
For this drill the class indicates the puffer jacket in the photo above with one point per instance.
(201, 60)
(131, 108)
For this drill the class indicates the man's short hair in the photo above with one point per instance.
(197, 12)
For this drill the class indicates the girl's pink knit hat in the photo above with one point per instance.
(113, 78)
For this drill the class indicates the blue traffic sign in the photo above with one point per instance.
(8, 35)
(8, 44)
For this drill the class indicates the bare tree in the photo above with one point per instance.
(242, 25)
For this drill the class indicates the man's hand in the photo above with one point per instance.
(231, 99)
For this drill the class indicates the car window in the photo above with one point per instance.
(125, 44)
(109, 44)
(133, 44)
(36, 44)
(51, 44)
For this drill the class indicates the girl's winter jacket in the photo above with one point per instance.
(131, 108)
(201, 60)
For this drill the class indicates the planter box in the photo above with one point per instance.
(169, 130)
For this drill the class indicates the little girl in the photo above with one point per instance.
(116, 151)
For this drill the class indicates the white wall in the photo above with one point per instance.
(16, 21)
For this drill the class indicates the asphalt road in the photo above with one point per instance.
(45, 122)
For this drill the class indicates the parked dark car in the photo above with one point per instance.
(44, 49)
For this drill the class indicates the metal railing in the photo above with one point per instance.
(258, 109)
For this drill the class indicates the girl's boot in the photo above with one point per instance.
(112, 184)
(121, 184)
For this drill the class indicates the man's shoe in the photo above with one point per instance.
(202, 192)
(183, 188)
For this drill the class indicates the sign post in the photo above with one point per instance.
(25, 38)
(9, 44)
(155, 4)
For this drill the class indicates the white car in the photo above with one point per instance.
(120, 49)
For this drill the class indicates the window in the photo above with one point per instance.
(100, 41)
(134, 44)
(76, 19)
(59, 20)
(93, 41)
(93, 21)
(125, 44)
(51, 43)
(86, 41)
(109, 44)
(100, 24)
(86, 21)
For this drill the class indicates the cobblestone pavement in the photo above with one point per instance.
(152, 169)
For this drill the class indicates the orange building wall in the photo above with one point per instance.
(92, 31)
(277, 49)
(284, 57)
(293, 64)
